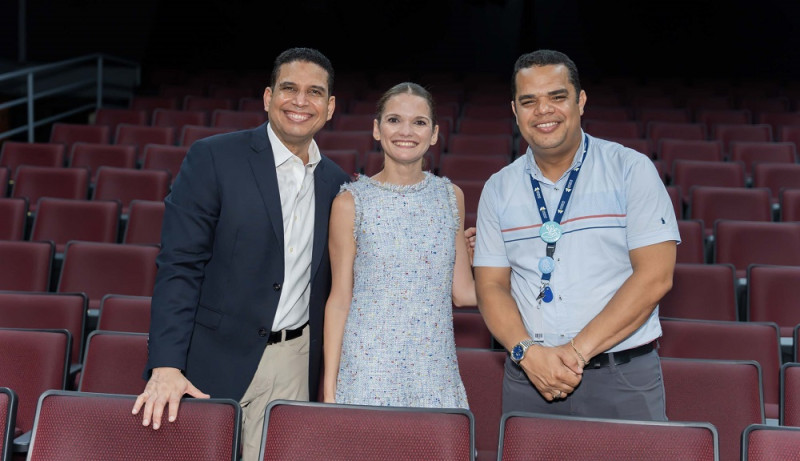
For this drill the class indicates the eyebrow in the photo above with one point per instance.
(290, 83)
(416, 117)
(557, 92)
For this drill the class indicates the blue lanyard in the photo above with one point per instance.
(562, 203)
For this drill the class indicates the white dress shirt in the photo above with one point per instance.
(296, 186)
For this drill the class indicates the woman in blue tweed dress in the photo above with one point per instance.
(400, 261)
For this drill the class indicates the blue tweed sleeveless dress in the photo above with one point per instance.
(398, 347)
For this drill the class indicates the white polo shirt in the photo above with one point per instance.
(618, 204)
(296, 186)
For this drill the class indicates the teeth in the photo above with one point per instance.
(297, 117)
(547, 125)
(405, 143)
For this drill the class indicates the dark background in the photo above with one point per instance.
(649, 40)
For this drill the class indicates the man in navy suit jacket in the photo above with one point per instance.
(243, 273)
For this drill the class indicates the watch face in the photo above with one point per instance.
(517, 352)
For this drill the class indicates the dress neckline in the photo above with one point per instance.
(399, 188)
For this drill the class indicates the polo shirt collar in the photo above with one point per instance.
(532, 168)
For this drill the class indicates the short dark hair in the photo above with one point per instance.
(545, 58)
(302, 54)
(406, 88)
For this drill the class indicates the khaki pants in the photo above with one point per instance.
(281, 374)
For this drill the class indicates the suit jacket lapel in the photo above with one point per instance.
(263, 164)
(322, 209)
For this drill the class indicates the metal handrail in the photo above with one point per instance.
(102, 61)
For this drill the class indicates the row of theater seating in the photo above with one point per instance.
(719, 373)
(209, 429)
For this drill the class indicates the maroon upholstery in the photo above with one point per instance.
(34, 182)
(692, 247)
(25, 266)
(307, 430)
(763, 442)
(710, 203)
(470, 329)
(641, 145)
(124, 313)
(663, 114)
(760, 103)
(486, 126)
(5, 177)
(482, 374)
(497, 145)
(613, 128)
(114, 362)
(347, 159)
(237, 119)
(13, 216)
(777, 243)
(353, 122)
(720, 340)
(725, 393)
(32, 362)
(702, 292)
(711, 117)
(98, 269)
(606, 112)
(472, 190)
(192, 133)
(179, 118)
(677, 200)
(688, 173)
(164, 157)
(778, 119)
(251, 104)
(789, 202)
(70, 133)
(151, 103)
(15, 154)
(46, 311)
(751, 152)
(126, 184)
(776, 176)
(140, 136)
(61, 220)
(729, 132)
(207, 103)
(145, 218)
(112, 117)
(458, 167)
(534, 436)
(656, 131)
(373, 163)
(81, 425)
(772, 295)
(487, 110)
(669, 150)
(362, 141)
(93, 156)
(790, 394)
(8, 417)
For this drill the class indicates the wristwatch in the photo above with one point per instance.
(518, 351)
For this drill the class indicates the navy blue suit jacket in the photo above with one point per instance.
(221, 267)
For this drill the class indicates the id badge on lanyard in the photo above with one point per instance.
(551, 233)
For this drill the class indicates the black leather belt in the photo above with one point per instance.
(277, 336)
(618, 358)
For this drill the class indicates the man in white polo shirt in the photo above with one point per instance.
(575, 246)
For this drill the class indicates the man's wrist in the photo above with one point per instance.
(519, 350)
